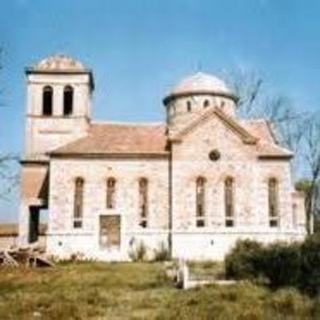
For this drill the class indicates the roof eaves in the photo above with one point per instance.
(34, 70)
(274, 156)
(122, 155)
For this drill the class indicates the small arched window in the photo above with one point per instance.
(206, 103)
(67, 100)
(78, 203)
(47, 97)
(172, 112)
(189, 106)
(143, 202)
(200, 201)
(273, 202)
(229, 201)
(111, 193)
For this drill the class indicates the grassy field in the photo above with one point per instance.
(137, 291)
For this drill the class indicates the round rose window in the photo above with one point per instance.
(214, 155)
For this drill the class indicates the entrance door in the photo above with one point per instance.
(110, 231)
(34, 224)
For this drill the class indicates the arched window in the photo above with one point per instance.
(47, 96)
(206, 103)
(78, 203)
(200, 201)
(229, 201)
(143, 202)
(111, 193)
(273, 202)
(67, 100)
(189, 106)
(173, 110)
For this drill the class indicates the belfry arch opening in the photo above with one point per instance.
(47, 103)
(67, 101)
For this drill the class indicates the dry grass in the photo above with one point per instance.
(137, 291)
(207, 269)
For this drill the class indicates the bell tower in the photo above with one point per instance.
(59, 91)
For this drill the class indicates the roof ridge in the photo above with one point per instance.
(111, 122)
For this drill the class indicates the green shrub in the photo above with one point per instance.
(280, 264)
(243, 262)
(310, 265)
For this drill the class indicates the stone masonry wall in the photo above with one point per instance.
(63, 239)
(238, 160)
(45, 133)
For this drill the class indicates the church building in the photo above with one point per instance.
(194, 184)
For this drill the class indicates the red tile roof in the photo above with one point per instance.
(258, 128)
(112, 138)
(266, 145)
(151, 139)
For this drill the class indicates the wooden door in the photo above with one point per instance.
(110, 231)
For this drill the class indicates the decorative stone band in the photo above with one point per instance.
(33, 70)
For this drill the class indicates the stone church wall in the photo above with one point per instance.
(64, 240)
(239, 161)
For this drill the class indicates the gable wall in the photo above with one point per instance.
(179, 117)
(190, 160)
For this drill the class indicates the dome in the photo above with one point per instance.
(200, 83)
(59, 63)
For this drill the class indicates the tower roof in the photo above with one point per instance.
(200, 83)
(60, 64)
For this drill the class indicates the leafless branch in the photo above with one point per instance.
(8, 175)
(247, 85)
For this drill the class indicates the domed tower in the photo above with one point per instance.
(59, 92)
(193, 96)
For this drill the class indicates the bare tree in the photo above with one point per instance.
(256, 102)
(8, 162)
(8, 175)
(247, 86)
(296, 131)
(287, 123)
(1, 67)
(311, 153)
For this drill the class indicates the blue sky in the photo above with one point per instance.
(139, 49)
